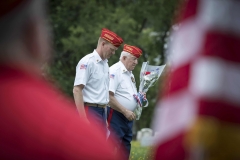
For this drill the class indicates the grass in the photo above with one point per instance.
(140, 153)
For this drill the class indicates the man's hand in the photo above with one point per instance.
(144, 95)
(129, 115)
(118, 107)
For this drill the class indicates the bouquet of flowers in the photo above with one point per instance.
(148, 77)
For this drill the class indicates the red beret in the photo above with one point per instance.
(111, 37)
(133, 50)
(7, 6)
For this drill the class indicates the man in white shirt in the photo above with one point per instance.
(92, 78)
(122, 103)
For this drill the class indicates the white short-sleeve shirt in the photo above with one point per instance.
(93, 73)
(123, 85)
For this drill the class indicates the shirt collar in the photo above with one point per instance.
(123, 68)
(97, 58)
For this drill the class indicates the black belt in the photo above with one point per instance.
(95, 105)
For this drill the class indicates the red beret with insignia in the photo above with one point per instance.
(6, 6)
(133, 50)
(111, 37)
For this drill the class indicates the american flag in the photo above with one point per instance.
(198, 117)
(83, 66)
(112, 76)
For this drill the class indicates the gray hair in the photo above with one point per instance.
(13, 23)
(123, 53)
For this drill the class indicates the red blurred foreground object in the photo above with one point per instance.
(38, 123)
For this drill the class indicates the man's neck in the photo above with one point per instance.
(100, 53)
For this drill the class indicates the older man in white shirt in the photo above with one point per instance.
(122, 103)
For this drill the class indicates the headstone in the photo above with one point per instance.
(139, 135)
(146, 137)
(146, 132)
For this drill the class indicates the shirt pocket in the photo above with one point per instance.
(96, 81)
(123, 85)
(125, 90)
(97, 75)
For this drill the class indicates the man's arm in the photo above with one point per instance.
(118, 107)
(78, 98)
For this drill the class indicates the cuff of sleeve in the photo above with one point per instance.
(78, 82)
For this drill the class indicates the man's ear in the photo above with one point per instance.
(103, 43)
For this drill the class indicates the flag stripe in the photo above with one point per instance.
(219, 109)
(225, 46)
(179, 79)
(171, 150)
(208, 75)
(189, 10)
(176, 113)
(224, 18)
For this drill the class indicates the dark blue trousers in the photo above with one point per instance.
(120, 129)
(96, 115)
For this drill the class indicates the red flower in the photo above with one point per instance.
(146, 73)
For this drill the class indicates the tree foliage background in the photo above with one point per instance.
(77, 24)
